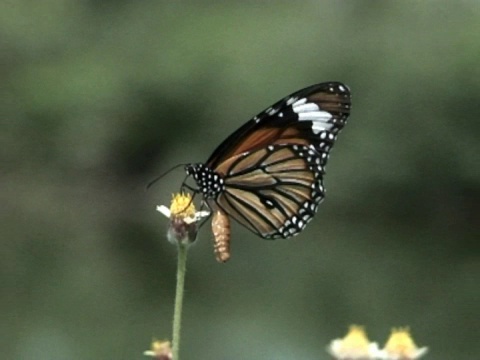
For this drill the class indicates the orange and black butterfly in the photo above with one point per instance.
(268, 175)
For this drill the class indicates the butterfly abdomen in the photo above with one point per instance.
(221, 233)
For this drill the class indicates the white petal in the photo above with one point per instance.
(164, 210)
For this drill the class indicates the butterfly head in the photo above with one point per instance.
(209, 183)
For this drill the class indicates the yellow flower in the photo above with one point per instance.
(182, 205)
(160, 350)
(354, 346)
(183, 219)
(400, 346)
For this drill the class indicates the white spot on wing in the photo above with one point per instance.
(297, 102)
(291, 101)
(311, 112)
(303, 108)
(315, 116)
(271, 111)
(319, 126)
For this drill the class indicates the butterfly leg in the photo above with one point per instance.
(204, 206)
(188, 187)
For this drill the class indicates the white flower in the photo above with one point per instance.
(400, 346)
(199, 215)
(354, 346)
(183, 219)
(160, 350)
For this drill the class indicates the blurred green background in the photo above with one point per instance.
(99, 97)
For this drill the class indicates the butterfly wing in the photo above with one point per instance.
(273, 166)
(299, 118)
(273, 191)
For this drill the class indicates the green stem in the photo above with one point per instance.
(177, 313)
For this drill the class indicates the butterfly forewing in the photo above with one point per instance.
(296, 119)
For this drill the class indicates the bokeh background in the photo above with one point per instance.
(99, 97)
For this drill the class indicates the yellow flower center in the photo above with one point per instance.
(182, 205)
(400, 342)
(356, 338)
(160, 347)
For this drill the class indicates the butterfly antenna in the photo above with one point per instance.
(161, 176)
(195, 192)
(192, 189)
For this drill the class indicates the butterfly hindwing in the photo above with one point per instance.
(274, 191)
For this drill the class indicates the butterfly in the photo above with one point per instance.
(268, 175)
